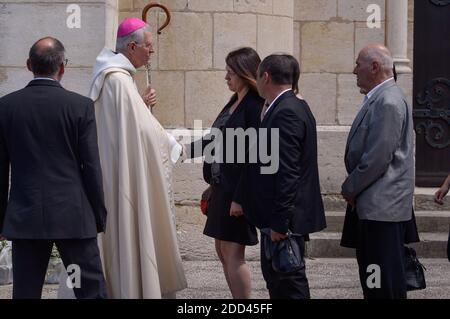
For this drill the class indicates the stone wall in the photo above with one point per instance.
(24, 22)
(325, 35)
(327, 38)
(188, 66)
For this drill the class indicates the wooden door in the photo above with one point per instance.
(431, 91)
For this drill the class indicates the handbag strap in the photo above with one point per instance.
(266, 231)
(412, 253)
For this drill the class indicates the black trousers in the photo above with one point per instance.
(380, 247)
(30, 259)
(281, 286)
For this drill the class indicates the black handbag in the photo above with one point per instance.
(284, 255)
(414, 271)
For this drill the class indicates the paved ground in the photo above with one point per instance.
(328, 278)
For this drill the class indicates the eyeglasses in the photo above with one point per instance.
(145, 46)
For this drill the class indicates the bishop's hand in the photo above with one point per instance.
(149, 97)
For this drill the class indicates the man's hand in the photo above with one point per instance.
(236, 210)
(149, 97)
(277, 236)
(350, 201)
(440, 194)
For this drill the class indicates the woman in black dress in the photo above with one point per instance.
(225, 220)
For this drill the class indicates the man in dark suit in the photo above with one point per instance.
(380, 185)
(48, 136)
(286, 199)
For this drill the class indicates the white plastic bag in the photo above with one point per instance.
(6, 265)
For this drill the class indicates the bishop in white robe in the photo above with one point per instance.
(139, 248)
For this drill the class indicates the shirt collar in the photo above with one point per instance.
(43, 78)
(372, 92)
(274, 100)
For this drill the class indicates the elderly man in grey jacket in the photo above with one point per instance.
(380, 184)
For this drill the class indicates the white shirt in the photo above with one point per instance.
(43, 78)
(372, 92)
(268, 108)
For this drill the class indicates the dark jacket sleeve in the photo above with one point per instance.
(291, 133)
(4, 179)
(90, 166)
(252, 119)
(196, 148)
(239, 192)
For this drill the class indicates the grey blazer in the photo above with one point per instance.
(379, 157)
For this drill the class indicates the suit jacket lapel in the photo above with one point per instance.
(357, 122)
(285, 95)
(240, 107)
(359, 117)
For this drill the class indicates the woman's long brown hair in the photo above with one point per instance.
(244, 62)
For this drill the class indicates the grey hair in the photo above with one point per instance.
(382, 55)
(135, 36)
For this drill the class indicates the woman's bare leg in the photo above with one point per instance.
(222, 260)
(236, 268)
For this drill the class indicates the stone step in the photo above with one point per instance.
(427, 221)
(189, 211)
(423, 201)
(196, 246)
(327, 245)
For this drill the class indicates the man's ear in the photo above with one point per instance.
(266, 77)
(62, 69)
(29, 67)
(375, 67)
(131, 46)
